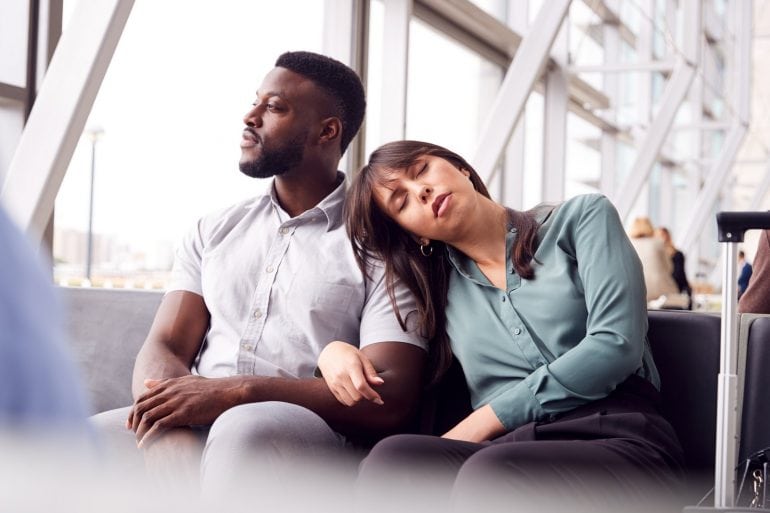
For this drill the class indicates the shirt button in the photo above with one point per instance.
(257, 314)
(503, 298)
(284, 230)
(517, 331)
(270, 269)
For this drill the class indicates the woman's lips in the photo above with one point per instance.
(441, 203)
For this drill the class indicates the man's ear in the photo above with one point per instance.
(331, 129)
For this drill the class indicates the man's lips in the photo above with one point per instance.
(249, 138)
(438, 203)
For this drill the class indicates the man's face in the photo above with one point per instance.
(278, 125)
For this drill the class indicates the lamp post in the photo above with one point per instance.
(94, 133)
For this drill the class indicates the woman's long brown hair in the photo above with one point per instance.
(375, 236)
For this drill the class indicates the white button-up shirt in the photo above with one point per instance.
(279, 288)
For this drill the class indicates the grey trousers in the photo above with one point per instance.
(251, 445)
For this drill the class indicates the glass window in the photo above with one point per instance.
(533, 152)
(583, 160)
(170, 108)
(13, 41)
(450, 90)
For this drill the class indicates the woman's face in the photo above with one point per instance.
(429, 199)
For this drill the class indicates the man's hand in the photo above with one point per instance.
(179, 402)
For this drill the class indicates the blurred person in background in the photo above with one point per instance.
(756, 298)
(656, 264)
(40, 391)
(744, 273)
(677, 261)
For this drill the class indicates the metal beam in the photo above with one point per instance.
(673, 95)
(511, 191)
(61, 110)
(475, 28)
(555, 123)
(701, 209)
(517, 85)
(608, 14)
(619, 67)
(345, 38)
(12, 92)
(395, 63)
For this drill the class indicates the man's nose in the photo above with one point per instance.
(253, 117)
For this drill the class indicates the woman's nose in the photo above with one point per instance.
(425, 193)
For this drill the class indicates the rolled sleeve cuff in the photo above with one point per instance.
(517, 406)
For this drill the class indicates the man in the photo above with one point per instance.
(259, 289)
(744, 273)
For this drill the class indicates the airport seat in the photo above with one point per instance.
(685, 346)
(755, 425)
(106, 328)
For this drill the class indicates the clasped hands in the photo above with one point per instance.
(180, 402)
(349, 374)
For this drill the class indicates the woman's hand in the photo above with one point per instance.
(479, 426)
(349, 374)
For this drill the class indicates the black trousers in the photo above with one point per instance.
(615, 452)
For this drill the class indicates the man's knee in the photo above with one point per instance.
(274, 427)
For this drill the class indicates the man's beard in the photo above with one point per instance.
(275, 161)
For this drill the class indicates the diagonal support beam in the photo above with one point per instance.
(673, 96)
(701, 210)
(517, 85)
(61, 110)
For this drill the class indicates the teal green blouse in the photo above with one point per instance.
(567, 337)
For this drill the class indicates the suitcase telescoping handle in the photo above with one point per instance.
(731, 227)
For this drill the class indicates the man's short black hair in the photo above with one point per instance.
(337, 80)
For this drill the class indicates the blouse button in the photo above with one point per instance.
(517, 331)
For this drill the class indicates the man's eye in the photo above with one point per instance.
(273, 106)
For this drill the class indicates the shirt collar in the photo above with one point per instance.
(469, 270)
(330, 207)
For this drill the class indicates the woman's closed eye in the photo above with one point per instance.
(403, 202)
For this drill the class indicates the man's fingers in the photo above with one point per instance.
(142, 407)
(156, 429)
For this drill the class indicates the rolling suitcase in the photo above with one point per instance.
(731, 227)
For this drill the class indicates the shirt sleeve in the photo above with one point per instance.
(186, 271)
(378, 319)
(613, 346)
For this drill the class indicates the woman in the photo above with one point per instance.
(677, 262)
(656, 264)
(544, 309)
